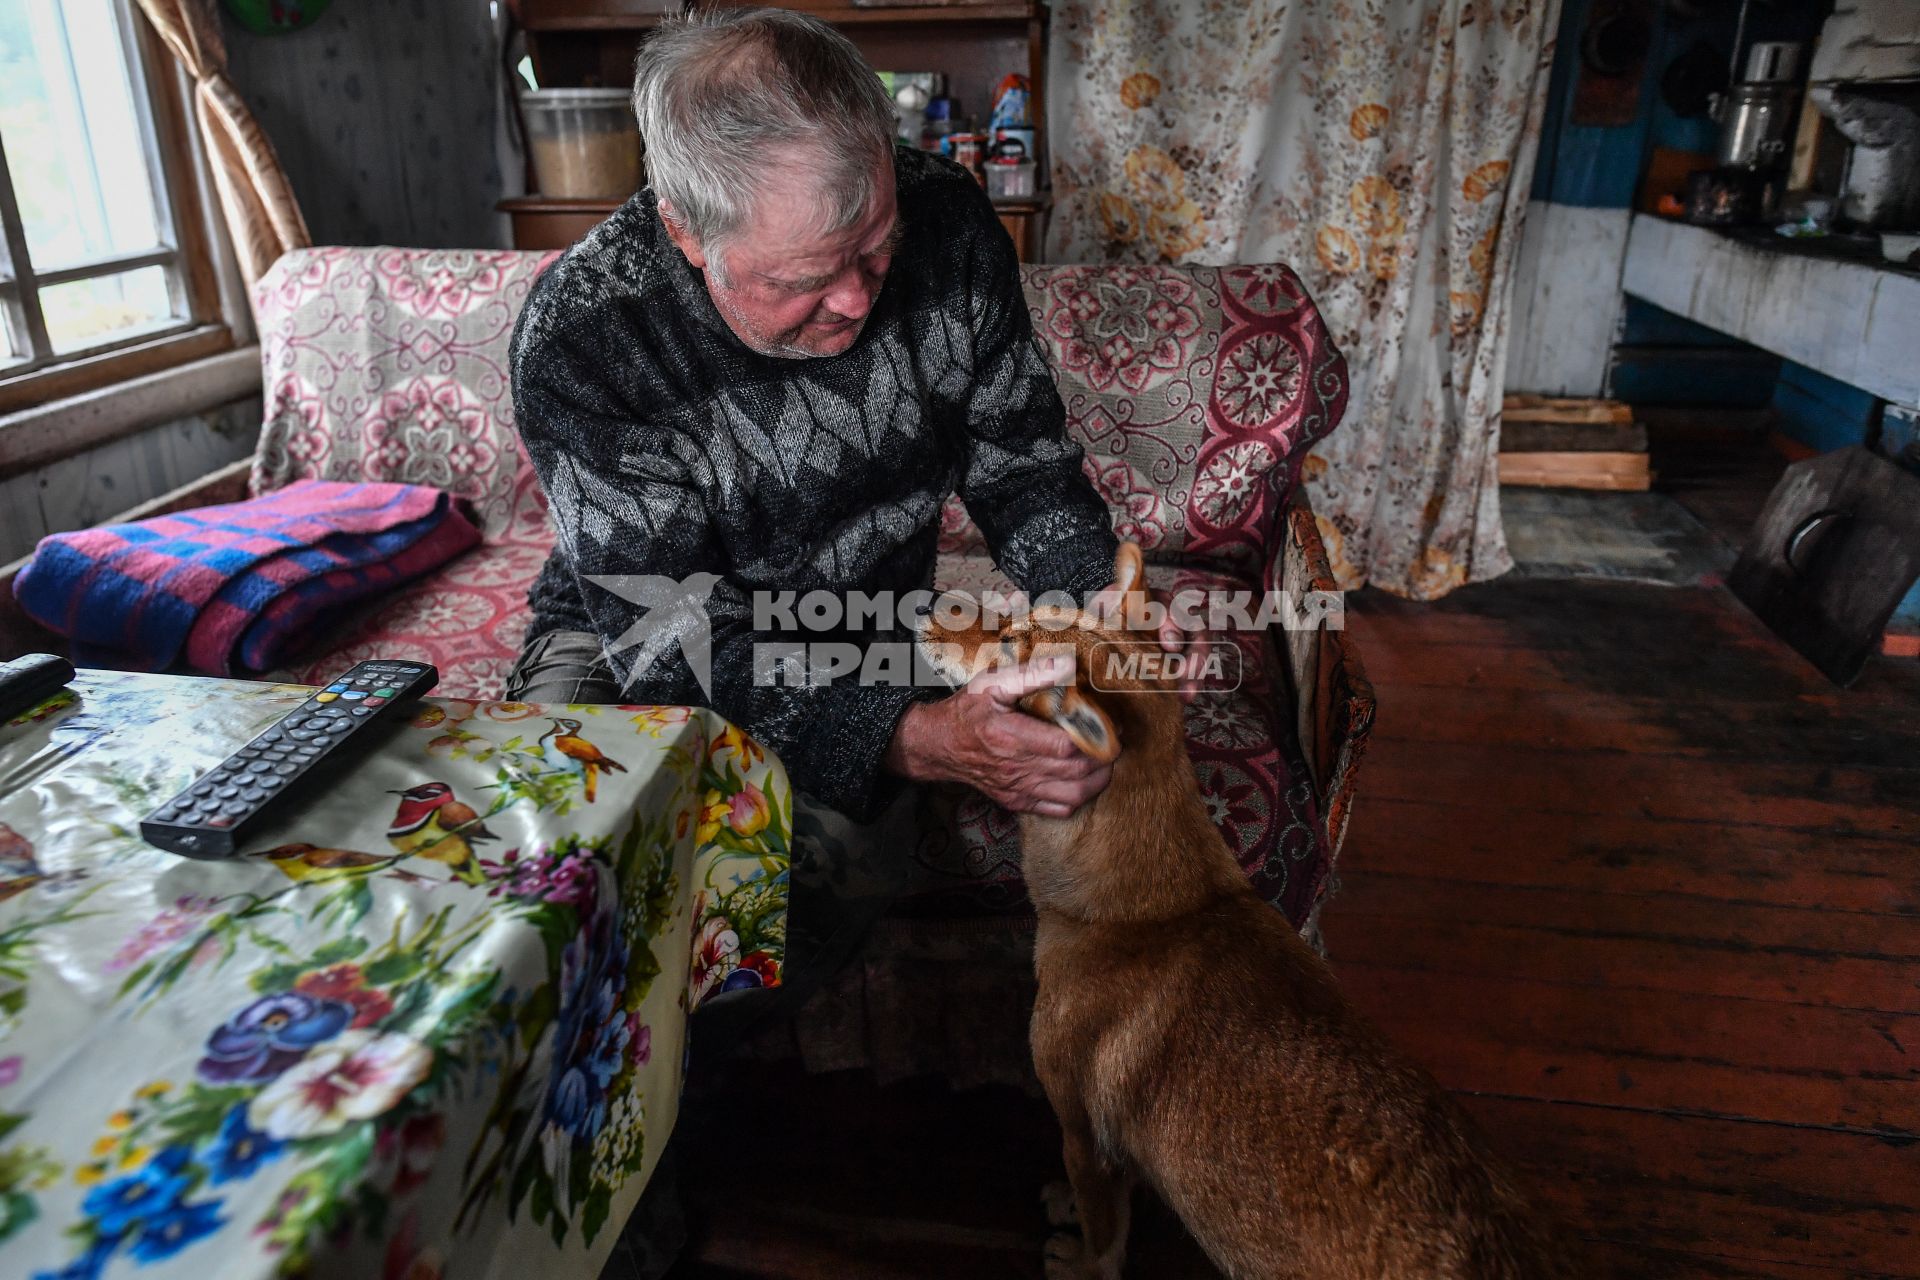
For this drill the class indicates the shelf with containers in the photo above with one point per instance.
(592, 43)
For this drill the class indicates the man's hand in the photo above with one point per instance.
(980, 737)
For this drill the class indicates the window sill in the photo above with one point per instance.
(56, 429)
(111, 367)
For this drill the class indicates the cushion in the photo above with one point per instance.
(391, 364)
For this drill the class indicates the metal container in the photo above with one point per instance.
(1772, 62)
(1756, 123)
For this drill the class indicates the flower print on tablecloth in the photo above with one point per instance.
(406, 1039)
(298, 1071)
(740, 907)
(548, 1151)
(269, 1035)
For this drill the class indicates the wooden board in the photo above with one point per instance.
(1853, 321)
(390, 120)
(1566, 299)
(1663, 1050)
(1604, 95)
(1614, 471)
(1519, 407)
(1525, 436)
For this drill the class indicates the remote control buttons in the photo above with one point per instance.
(328, 696)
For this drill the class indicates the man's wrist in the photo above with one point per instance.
(911, 754)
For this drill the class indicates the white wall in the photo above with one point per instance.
(1566, 299)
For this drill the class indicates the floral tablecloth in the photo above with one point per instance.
(357, 1052)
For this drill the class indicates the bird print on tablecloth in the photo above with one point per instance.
(433, 823)
(19, 871)
(566, 749)
(314, 864)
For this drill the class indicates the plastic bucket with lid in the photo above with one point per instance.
(584, 143)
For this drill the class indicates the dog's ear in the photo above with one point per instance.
(1130, 577)
(1080, 716)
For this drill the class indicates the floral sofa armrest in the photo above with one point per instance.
(391, 364)
(1333, 700)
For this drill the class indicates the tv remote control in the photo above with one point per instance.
(216, 811)
(30, 680)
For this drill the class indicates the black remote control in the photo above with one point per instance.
(214, 814)
(30, 680)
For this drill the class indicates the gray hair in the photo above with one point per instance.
(717, 92)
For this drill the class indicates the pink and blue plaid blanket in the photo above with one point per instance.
(236, 587)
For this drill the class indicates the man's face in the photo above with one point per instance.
(786, 288)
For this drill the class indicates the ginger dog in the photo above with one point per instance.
(1187, 1036)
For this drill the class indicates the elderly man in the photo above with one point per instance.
(765, 373)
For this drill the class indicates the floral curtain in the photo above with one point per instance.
(261, 214)
(1384, 151)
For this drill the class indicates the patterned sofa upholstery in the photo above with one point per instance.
(1196, 392)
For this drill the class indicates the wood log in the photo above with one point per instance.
(1568, 437)
(1529, 408)
(1610, 471)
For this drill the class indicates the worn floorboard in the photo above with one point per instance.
(1624, 872)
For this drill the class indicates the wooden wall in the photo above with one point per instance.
(388, 118)
(82, 491)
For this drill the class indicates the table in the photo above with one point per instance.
(350, 1055)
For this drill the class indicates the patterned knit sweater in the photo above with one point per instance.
(668, 447)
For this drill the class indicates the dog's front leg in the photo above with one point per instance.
(1104, 1196)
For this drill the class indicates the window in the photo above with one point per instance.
(104, 272)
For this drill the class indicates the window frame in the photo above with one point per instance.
(168, 138)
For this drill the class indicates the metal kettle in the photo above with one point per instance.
(1756, 116)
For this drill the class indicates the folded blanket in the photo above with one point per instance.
(239, 581)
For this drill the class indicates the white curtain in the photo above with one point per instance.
(1381, 149)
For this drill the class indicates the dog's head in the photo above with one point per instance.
(1109, 686)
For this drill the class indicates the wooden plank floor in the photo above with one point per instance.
(1625, 873)
(1646, 890)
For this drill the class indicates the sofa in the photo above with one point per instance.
(1197, 393)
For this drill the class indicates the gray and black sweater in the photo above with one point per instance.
(668, 447)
